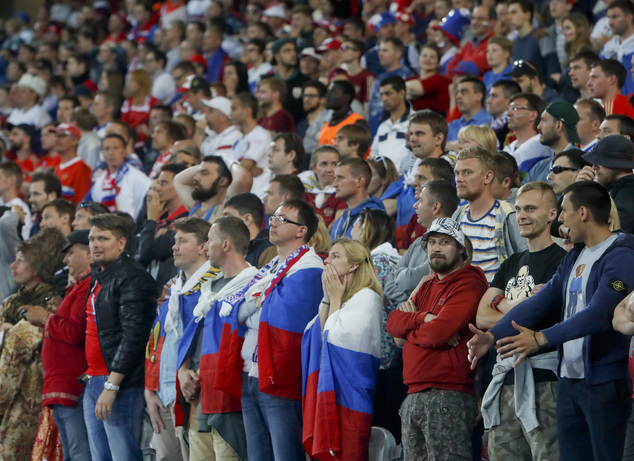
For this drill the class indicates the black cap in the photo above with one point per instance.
(27, 128)
(522, 67)
(614, 151)
(78, 236)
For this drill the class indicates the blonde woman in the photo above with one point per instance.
(135, 110)
(481, 136)
(341, 353)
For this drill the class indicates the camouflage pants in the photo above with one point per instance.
(509, 440)
(437, 425)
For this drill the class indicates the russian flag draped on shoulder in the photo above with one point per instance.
(220, 326)
(339, 379)
(291, 299)
(176, 309)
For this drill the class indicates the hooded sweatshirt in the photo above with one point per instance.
(428, 361)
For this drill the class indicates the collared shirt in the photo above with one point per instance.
(222, 142)
(481, 118)
(390, 140)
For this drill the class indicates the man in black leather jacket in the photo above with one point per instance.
(120, 309)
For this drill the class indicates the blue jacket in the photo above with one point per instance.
(343, 226)
(605, 351)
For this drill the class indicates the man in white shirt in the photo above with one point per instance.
(251, 149)
(10, 182)
(524, 115)
(163, 85)
(218, 120)
(390, 136)
(29, 90)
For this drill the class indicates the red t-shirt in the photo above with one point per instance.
(138, 115)
(279, 122)
(76, 179)
(436, 94)
(328, 209)
(94, 358)
(49, 162)
(362, 84)
(619, 105)
(27, 165)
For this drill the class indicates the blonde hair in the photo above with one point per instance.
(145, 83)
(485, 158)
(320, 241)
(365, 275)
(482, 135)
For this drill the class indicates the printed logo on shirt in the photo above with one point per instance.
(521, 285)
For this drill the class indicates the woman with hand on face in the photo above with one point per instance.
(341, 353)
(375, 229)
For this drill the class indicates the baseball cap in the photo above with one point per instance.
(522, 67)
(310, 52)
(198, 58)
(448, 227)
(78, 236)
(27, 128)
(219, 103)
(193, 83)
(566, 113)
(68, 129)
(279, 43)
(614, 151)
(467, 68)
(329, 44)
(275, 11)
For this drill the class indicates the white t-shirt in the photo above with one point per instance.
(572, 365)
(163, 87)
(35, 116)
(255, 146)
(220, 143)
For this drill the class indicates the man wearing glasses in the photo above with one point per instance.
(283, 298)
(314, 97)
(524, 115)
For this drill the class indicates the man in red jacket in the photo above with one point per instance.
(438, 415)
(64, 337)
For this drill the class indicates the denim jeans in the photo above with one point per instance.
(72, 431)
(273, 424)
(119, 437)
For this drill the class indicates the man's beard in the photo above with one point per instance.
(202, 195)
(16, 147)
(442, 265)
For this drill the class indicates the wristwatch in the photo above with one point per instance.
(110, 387)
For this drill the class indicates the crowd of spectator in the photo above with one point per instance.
(270, 230)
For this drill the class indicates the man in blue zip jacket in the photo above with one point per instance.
(594, 389)
(352, 177)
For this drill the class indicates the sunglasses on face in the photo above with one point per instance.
(560, 169)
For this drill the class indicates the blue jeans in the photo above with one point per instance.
(119, 437)
(72, 431)
(273, 424)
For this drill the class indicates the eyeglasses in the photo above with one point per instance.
(560, 169)
(277, 219)
(347, 48)
(515, 108)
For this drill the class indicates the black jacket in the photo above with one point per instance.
(125, 309)
(622, 192)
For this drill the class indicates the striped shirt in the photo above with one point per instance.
(482, 236)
